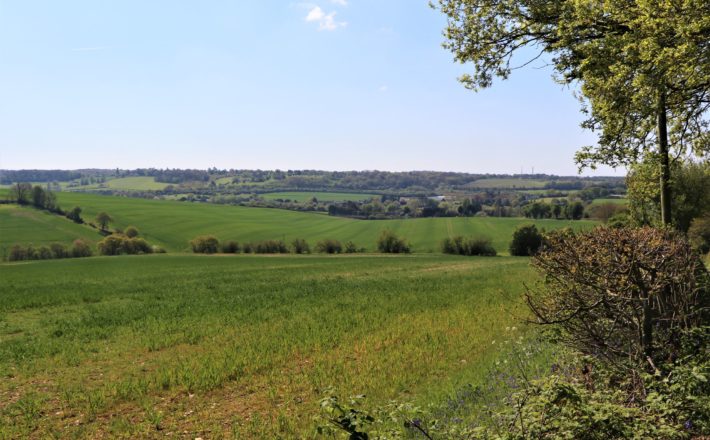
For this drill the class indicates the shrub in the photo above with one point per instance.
(112, 245)
(231, 247)
(137, 246)
(699, 234)
(205, 244)
(158, 250)
(621, 294)
(17, 253)
(300, 246)
(81, 248)
(75, 215)
(44, 253)
(526, 241)
(468, 246)
(389, 243)
(351, 248)
(130, 232)
(329, 246)
(270, 247)
(59, 250)
(248, 248)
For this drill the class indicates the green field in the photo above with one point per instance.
(172, 224)
(615, 201)
(28, 225)
(321, 196)
(199, 345)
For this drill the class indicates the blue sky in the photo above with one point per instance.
(328, 84)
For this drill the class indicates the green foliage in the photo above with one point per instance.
(81, 248)
(329, 246)
(699, 234)
(300, 246)
(270, 247)
(103, 220)
(205, 244)
(390, 243)
(526, 241)
(131, 232)
(470, 246)
(75, 215)
(231, 247)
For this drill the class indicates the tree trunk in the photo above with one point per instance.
(665, 161)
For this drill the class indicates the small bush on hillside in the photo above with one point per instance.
(468, 246)
(351, 248)
(300, 246)
(75, 215)
(81, 248)
(44, 253)
(526, 241)
(205, 244)
(699, 234)
(270, 247)
(158, 250)
(389, 243)
(130, 232)
(59, 250)
(231, 247)
(137, 245)
(17, 253)
(248, 248)
(329, 246)
(111, 245)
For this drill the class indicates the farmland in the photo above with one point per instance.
(172, 224)
(243, 345)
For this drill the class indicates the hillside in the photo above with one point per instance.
(172, 224)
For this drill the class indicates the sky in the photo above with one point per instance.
(267, 84)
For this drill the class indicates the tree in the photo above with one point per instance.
(103, 219)
(390, 243)
(641, 68)
(21, 192)
(205, 244)
(39, 197)
(131, 232)
(526, 241)
(75, 215)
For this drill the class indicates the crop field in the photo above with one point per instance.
(321, 196)
(27, 225)
(172, 224)
(615, 201)
(137, 183)
(189, 346)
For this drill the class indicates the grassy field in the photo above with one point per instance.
(189, 346)
(172, 224)
(321, 196)
(615, 201)
(28, 225)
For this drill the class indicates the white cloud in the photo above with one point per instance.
(340, 2)
(326, 22)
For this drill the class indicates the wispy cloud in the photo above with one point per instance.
(340, 2)
(326, 22)
(383, 89)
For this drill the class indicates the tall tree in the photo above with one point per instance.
(103, 219)
(642, 68)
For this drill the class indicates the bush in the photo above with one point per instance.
(468, 246)
(130, 232)
(270, 247)
(44, 253)
(248, 248)
(158, 250)
(231, 247)
(112, 245)
(594, 278)
(351, 248)
(81, 248)
(389, 243)
(17, 253)
(205, 244)
(300, 246)
(75, 215)
(526, 241)
(699, 234)
(329, 246)
(137, 245)
(59, 250)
